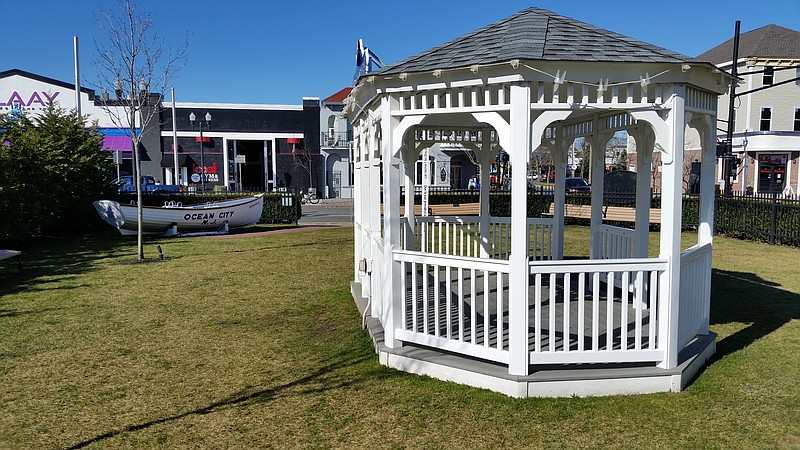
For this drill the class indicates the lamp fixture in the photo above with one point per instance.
(192, 119)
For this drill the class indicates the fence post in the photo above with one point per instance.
(773, 222)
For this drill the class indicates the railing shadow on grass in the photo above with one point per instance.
(50, 261)
(740, 297)
(328, 377)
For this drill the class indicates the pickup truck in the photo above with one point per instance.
(149, 186)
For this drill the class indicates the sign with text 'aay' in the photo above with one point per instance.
(40, 98)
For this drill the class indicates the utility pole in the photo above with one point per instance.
(727, 158)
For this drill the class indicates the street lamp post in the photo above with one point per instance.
(192, 119)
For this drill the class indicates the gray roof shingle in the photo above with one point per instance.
(770, 41)
(535, 34)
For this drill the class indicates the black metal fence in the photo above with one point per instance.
(770, 217)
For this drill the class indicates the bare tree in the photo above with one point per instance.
(304, 159)
(135, 65)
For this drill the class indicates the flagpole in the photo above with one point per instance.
(175, 175)
(77, 77)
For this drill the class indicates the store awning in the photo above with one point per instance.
(117, 143)
(168, 160)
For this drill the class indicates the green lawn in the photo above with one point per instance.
(254, 342)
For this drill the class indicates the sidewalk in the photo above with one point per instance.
(335, 202)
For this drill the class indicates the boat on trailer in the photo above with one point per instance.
(174, 218)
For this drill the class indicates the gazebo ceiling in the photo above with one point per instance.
(535, 34)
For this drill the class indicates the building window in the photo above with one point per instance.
(769, 75)
(797, 119)
(766, 119)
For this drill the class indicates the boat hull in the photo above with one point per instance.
(188, 219)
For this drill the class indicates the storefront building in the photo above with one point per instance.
(244, 147)
(253, 147)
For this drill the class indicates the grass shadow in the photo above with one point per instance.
(330, 376)
(52, 260)
(739, 297)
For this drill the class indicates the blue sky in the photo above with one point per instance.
(275, 51)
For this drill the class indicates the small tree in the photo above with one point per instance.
(135, 66)
(51, 169)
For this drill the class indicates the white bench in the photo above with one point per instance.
(5, 254)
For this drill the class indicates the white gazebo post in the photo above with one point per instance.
(598, 142)
(356, 206)
(519, 151)
(392, 288)
(373, 151)
(360, 210)
(671, 206)
(705, 125)
(706, 129)
(559, 156)
(410, 156)
(643, 136)
(485, 159)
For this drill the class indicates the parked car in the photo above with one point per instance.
(149, 185)
(577, 185)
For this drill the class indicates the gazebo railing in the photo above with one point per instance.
(448, 235)
(615, 242)
(578, 318)
(695, 292)
(540, 237)
(461, 236)
(455, 303)
(461, 305)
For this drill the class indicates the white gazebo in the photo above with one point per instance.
(491, 301)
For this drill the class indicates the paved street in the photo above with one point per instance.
(328, 212)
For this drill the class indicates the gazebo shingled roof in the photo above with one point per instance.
(535, 34)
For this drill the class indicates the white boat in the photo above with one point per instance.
(174, 218)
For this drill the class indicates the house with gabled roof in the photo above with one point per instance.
(335, 142)
(766, 128)
(495, 302)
